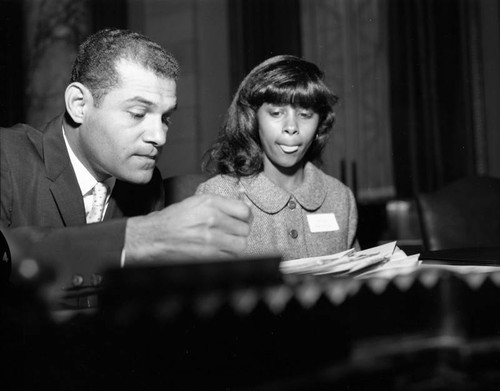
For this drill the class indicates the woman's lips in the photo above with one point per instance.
(289, 149)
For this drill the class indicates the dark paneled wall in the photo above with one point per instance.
(17, 69)
(260, 29)
(437, 111)
(11, 62)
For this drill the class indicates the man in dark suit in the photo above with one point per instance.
(118, 107)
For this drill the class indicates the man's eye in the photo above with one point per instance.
(136, 115)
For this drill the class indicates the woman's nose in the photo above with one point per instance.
(290, 127)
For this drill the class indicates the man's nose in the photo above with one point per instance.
(156, 132)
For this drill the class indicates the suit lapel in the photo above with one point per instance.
(64, 185)
(68, 198)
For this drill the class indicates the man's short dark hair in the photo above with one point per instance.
(95, 63)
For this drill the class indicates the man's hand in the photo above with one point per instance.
(204, 226)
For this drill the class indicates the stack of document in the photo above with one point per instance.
(353, 263)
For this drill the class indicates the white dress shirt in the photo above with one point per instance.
(86, 180)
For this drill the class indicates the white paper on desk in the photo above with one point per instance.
(339, 263)
(401, 265)
(386, 249)
(368, 258)
(311, 264)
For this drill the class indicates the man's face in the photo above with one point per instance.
(123, 137)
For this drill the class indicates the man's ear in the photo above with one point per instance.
(77, 97)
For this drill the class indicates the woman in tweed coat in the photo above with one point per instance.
(274, 132)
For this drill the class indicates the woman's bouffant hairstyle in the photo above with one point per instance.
(280, 80)
(95, 63)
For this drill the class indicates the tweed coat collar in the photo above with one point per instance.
(271, 198)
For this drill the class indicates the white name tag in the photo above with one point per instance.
(322, 222)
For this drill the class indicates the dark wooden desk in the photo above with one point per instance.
(485, 256)
(432, 328)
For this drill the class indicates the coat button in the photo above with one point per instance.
(96, 279)
(292, 205)
(293, 233)
(77, 280)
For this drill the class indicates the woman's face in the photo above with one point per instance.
(286, 133)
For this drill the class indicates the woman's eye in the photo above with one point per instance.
(275, 113)
(306, 114)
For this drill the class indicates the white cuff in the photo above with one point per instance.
(122, 259)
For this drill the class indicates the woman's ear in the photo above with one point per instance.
(77, 97)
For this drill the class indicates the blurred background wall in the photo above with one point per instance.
(418, 80)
